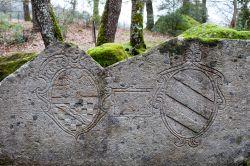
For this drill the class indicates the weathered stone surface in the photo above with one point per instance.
(182, 103)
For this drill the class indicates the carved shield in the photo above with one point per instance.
(71, 95)
(188, 97)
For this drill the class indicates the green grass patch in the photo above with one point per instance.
(109, 53)
(9, 64)
(209, 33)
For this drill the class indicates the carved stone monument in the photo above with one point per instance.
(181, 103)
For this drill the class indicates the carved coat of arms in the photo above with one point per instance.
(188, 97)
(70, 94)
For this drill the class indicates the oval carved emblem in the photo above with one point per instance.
(71, 95)
(188, 97)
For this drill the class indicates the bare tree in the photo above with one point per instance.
(109, 22)
(5, 6)
(204, 11)
(235, 12)
(44, 14)
(150, 15)
(136, 27)
(73, 3)
(26, 10)
(96, 12)
(36, 26)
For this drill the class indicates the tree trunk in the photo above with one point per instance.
(233, 21)
(26, 10)
(73, 2)
(204, 11)
(44, 14)
(150, 15)
(109, 22)
(36, 26)
(185, 2)
(136, 27)
(96, 16)
(185, 6)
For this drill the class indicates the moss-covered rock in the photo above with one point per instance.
(108, 53)
(9, 64)
(209, 33)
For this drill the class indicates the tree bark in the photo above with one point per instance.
(234, 18)
(185, 6)
(136, 27)
(96, 16)
(204, 11)
(44, 14)
(36, 27)
(73, 3)
(185, 2)
(109, 22)
(150, 15)
(26, 10)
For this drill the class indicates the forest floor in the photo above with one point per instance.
(77, 34)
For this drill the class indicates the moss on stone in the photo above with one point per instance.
(56, 28)
(6, 160)
(248, 162)
(210, 33)
(108, 53)
(9, 64)
(173, 47)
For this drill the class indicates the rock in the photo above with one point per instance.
(182, 103)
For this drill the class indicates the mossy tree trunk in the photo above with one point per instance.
(150, 15)
(204, 11)
(36, 27)
(186, 7)
(136, 27)
(109, 21)
(26, 10)
(96, 16)
(46, 19)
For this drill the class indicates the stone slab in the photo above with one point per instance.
(181, 103)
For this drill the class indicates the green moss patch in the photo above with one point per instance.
(209, 33)
(108, 53)
(9, 64)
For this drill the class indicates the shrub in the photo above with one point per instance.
(108, 54)
(11, 33)
(174, 23)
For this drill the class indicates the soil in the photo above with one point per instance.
(78, 34)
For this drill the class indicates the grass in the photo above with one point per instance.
(209, 33)
(9, 64)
